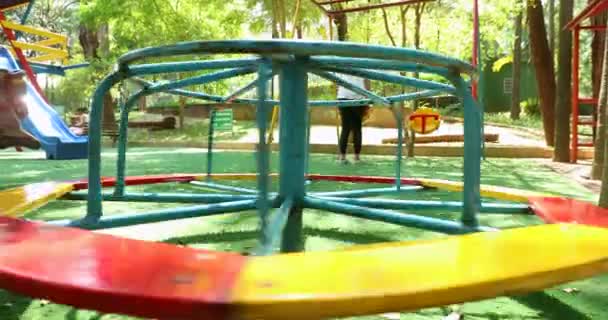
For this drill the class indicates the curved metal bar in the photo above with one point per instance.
(405, 81)
(377, 64)
(372, 96)
(185, 66)
(123, 131)
(94, 206)
(231, 97)
(301, 48)
(472, 153)
(402, 219)
(202, 79)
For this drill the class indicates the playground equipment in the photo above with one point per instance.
(424, 120)
(577, 25)
(42, 122)
(95, 271)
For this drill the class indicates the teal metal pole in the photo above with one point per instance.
(263, 151)
(402, 219)
(164, 197)
(273, 232)
(216, 186)
(399, 119)
(367, 192)
(210, 144)
(293, 117)
(115, 221)
(123, 132)
(472, 153)
(431, 205)
(94, 206)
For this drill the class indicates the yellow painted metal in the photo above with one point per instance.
(500, 193)
(32, 30)
(413, 275)
(54, 47)
(32, 46)
(233, 176)
(48, 57)
(273, 124)
(15, 6)
(17, 201)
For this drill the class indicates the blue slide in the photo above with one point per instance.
(45, 124)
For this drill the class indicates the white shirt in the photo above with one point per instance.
(344, 93)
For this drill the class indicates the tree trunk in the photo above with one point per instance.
(599, 158)
(419, 10)
(341, 26)
(387, 28)
(515, 94)
(564, 84)
(597, 52)
(90, 42)
(552, 27)
(543, 62)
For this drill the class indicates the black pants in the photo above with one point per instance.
(352, 121)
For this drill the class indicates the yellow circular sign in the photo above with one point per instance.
(424, 120)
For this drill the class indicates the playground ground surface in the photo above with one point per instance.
(579, 300)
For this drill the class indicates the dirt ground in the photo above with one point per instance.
(374, 136)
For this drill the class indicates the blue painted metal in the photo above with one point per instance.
(163, 197)
(299, 48)
(94, 206)
(187, 66)
(273, 233)
(293, 117)
(216, 186)
(291, 58)
(210, 144)
(115, 221)
(472, 153)
(431, 205)
(402, 80)
(202, 79)
(367, 192)
(407, 220)
(376, 64)
(398, 113)
(263, 151)
(346, 84)
(26, 15)
(246, 88)
(123, 131)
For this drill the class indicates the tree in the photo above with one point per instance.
(599, 160)
(603, 104)
(564, 77)
(543, 62)
(598, 46)
(515, 94)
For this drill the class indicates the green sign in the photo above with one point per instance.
(222, 120)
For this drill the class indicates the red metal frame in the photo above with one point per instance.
(576, 25)
(10, 35)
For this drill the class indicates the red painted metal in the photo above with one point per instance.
(590, 10)
(593, 28)
(331, 2)
(10, 35)
(377, 6)
(566, 210)
(115, 275)
(139, 180)
(363, 179)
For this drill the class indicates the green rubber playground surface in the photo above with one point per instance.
(324, 231)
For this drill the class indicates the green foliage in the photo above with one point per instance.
(531, 107)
